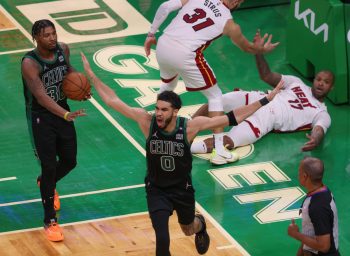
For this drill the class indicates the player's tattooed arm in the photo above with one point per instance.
(315, 138)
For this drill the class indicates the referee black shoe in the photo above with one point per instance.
(202, 239)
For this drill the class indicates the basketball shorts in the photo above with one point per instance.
(175, 59)
(180, 200)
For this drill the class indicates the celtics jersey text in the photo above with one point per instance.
(51, 74)
(169, 159)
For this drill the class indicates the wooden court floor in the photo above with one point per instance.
(131, 235)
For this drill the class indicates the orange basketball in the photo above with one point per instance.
(76, 86)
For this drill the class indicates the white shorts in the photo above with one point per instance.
(255, 126)
(175, 59)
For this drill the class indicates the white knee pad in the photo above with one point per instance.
(214, 96)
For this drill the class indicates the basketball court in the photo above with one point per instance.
(248, 204)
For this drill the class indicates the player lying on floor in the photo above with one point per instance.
(297, 107)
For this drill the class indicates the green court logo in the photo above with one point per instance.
(89, 20)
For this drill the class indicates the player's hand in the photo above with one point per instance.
(86, 65)
(72, 115)
(268, 46)
(275, 91)
(258, 41)
(261, 45)
(310, 144)
(87, 96)
(293, 229)
(148, 43)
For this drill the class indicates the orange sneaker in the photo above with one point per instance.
(53, 231)
(56, 198)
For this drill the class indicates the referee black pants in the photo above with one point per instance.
(56, 147)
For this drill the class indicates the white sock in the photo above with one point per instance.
(219, 142)
(198, 147)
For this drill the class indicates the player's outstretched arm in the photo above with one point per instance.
(232, 118)
(113, 101)
(265, 73)
(233, 30)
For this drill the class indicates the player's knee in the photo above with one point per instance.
(70, 163)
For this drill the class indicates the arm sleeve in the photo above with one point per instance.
(322, 119)
(320, 216)
(163, 12)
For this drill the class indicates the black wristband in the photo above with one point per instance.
(264, 101)
(231, 118)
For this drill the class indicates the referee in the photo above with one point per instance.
(319, 235)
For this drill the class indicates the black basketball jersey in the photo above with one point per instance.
(51, 74)
(169, 158)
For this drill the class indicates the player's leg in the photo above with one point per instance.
(160, 208)
(166, 58)
(253, 128)
(66, 149)
(45, 142)
(215, 108)
(207, 145)
(184, 204)
(160, 223)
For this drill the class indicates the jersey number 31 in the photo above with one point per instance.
(199, 15)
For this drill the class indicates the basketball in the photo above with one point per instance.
(76, 86)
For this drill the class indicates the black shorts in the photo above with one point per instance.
(178, 199)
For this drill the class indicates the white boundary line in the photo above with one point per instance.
(223, 232)
(118, 126)
(8, 178)
(76, 195)
(76, 223)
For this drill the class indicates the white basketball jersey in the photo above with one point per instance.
(198, 23)
(295, 107)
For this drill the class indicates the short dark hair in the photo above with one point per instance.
(171, 97)
(39, 25)
(314, 167)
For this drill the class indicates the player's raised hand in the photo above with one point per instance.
(150, 39)
(86, 66)
(268, 46)
(276, 90)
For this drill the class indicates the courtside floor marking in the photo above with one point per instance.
(118, 126)
(8, 178)
(76, 194)
(76, 223)
(18, 26)
(223, 232)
